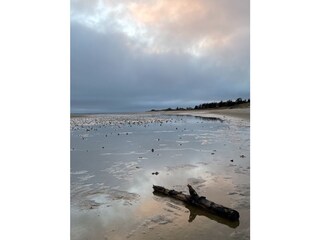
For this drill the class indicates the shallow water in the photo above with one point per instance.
(111, 176)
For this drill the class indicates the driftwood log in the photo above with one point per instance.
(201, 202)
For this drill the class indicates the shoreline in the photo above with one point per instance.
(228, 113)
(183, 150)
(237, 114)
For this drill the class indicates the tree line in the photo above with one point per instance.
(228, 103)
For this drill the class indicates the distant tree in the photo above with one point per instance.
(239, 100)
(229, 103)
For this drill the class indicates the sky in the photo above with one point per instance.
(137, 55)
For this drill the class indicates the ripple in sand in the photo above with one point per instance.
(241, 170)
(164, 131)
(183, 149)
(242, 195)
(196, 181)
(91, 196)
(181, 166)
(244, 234)
(124, 153)
(202, 163)
(152, 222)
(173, 206)
(86, 177)
(182, 141)
(78, 172)
(123, 170)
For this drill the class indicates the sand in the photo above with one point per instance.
(242, 114)
(113, 157)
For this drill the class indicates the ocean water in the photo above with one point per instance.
(113, 161)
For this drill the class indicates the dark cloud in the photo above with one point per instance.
(111, 71)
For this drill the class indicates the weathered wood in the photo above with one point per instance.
(201, 202)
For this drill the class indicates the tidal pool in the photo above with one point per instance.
(112, 161)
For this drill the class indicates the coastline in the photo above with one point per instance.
(234, 114)
(242, 114)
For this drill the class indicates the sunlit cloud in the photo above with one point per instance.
(192, 26)
(128, 46)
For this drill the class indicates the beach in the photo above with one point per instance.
(240, 113)
(114, 158)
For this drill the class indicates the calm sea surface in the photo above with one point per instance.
(112, 161)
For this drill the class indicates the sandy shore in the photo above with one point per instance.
(229, 113)
(111, 195)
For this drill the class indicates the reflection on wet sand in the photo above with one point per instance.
(194, 212)
(111, 177)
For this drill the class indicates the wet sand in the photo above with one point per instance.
(112, 161)
(227, 113)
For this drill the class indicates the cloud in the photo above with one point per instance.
(186, 24)
(169, 25)
(137, 55)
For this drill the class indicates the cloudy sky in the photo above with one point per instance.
(135, 55)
